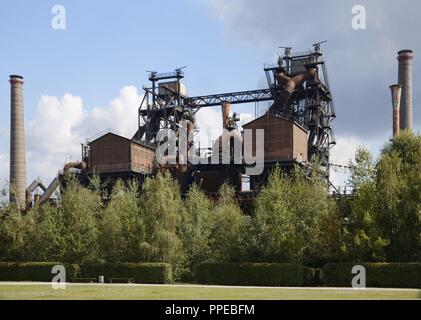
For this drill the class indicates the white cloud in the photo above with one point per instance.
(119, 115)
(209, 121)
(54, 130)
(61, 124)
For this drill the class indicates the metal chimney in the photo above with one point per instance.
(405, 58)
(17, 143)
(396, 103)
(226, 112)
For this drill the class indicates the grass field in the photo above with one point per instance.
(17, 291)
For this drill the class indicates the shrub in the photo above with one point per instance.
(380, 275)
(148, 273)
(34, 271)
(254, 274)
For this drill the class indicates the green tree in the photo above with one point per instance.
(79, 209)
(362, 169)
(196, 227)
(162, 210)
(289, 214)
(122, 232)
(46, 239)
(229, 226)
(362, 239)
(398, 184)
(12, 235)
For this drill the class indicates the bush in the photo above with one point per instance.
(148, 273)
(253, 274)
(380, 275)
(34, 271)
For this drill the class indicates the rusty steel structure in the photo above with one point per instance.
(297, 126)
(396, 91)
(298, 90)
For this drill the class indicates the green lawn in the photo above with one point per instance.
(144, 292)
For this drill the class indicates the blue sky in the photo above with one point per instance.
(89, 77)
(109, 44)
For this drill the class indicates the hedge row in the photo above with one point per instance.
(34, 271)
(148, 273)
(393, 275)
(378, 275)
(254, 274)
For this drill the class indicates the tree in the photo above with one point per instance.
(162, 210)
(79, 210)
(46, 240)
(362, 240)
(288, 216)
(122, 232)
(362, 169)
(12, 235)
(398, 184)
(229, 226)
(196, 227)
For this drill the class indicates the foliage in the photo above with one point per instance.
(122, 231)
(196, 227)
(34, 271)
(228, 232)
(384, 223)
(147, 273)
(78, 213)
(294, 220)
(399, 197)
(288, 216)
(162, 209)
(252, 274)
(378, 275)
(362, 169)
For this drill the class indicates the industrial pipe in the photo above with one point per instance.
(81, 165)
(396, 91)
(405, 58)
(226, 112)
(30, 190)
(289, 85)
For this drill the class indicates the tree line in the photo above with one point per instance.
(294, 219)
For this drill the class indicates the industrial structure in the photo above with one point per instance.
(297, 125)
(402, 98)
(17, 143)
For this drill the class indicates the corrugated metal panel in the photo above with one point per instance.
(113, 153)
(284, 140)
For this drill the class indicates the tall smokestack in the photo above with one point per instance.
(17, 143)
(396, 103)
(405, 58)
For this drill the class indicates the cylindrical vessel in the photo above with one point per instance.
(405, 58)
(396, 103)
(226, 111)
(17, 143)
